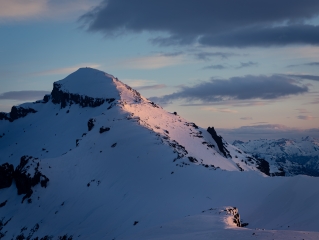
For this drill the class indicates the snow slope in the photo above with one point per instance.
(106, 163)
(292, 156)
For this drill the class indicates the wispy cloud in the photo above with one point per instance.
(313, 64)
(240, 66)
(216, 67)
(247, 64)
(305, 117)
(23, 95)
(152, 62)
(206, 56)
(304, 76)
(33, 9)
(224, 110)
(246, 118)
(20, 9)
(66, 70)
(302, 110)
(151, 87)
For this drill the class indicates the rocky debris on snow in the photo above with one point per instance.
(154, 104)
(191, 124)
(104, 129)
(16, 113)
(91, 123)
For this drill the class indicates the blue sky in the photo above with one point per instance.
(236, 66)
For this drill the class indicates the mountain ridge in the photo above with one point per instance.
(116, 169)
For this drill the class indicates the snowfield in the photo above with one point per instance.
(96, 160)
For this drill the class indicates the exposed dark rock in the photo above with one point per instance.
(192, 125)
(263, 166)
(46, 98)
(234, 211)
(153, 104)
(113, 145)
(104, 129)
(23, 179)
(240, 168)
(91, 124)
(219, 141)
(6, 175)
(16, 113)
(3, 203)
(66, 98)
(175, 113)
(193, 160)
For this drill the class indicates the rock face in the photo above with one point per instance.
(16, 113)
(219, 141)
(6, 175)
(66, 98)
(27, 175)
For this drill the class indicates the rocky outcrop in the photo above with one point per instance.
(234, 211)
(6, 175)
(263, 166)
(219, 141)
(16, 113)
(27, 175)
(67, 99)
(91, 124)
(104, 129)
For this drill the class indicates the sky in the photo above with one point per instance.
(249, 68)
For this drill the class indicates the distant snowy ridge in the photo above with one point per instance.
(293, 157)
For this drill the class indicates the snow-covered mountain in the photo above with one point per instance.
(291, 157)
(96, 160)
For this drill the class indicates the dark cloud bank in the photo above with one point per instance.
(237, 23)
(238, 88)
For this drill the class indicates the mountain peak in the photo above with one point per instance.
(89, 82)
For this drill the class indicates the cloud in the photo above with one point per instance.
(304, 64)
(246, 118)
(246, 64)
(152, 62)
(151, 87)
(266, 131)
(224, 110)
(66, 70)
(305, 77)
(22, 9)
(237, 88)
(23, 95)
(305, 117)
(221, 67)
(302, 110)
(208, 55)
(216, 67)
(210, 22)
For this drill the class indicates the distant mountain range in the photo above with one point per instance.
(290, 157)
